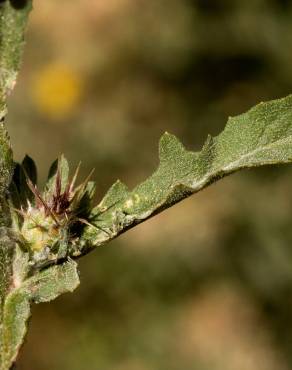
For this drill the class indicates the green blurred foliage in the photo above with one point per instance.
(208, 284)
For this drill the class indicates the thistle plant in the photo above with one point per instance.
(44, 231)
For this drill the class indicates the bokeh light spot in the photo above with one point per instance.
(57, 90)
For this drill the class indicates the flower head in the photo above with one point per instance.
(50, 221)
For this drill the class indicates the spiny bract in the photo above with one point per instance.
(48, 224)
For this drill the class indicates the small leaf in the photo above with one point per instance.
(14, 327)
(52, 282)
(30, 169)
(43, 287)
(13, 19)
(19, 190)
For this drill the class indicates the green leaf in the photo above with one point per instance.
(19, 190)
(13, 19)
(6, 162)
(30, 169)
(6, 256)
(262, 136)
(14, 327)
(42, 287)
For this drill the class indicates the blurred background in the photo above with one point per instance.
(207, 285)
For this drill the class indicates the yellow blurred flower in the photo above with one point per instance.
(57, 90)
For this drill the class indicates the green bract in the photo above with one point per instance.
(48, 224)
